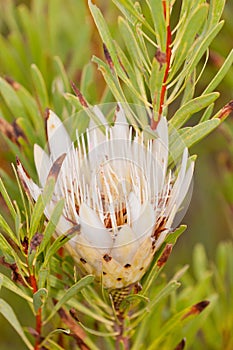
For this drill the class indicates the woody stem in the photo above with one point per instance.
(122, 341)
(38, 315)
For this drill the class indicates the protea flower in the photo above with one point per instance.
(118, 192)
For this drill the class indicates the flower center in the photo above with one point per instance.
(120, 216)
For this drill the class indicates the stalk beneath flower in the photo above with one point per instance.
(38, 315)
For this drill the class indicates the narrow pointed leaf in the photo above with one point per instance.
(40, 205)
(8, 313)
(221, 73)
(10, 285)
(191, 107)
(40, 87)
(51, 226)
(70, 293)
(39, 298)
(11, 99)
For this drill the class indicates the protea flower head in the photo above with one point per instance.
(118, 192)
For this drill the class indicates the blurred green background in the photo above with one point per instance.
(66, 29)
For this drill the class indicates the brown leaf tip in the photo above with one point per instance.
(12, 131)
(181, 345)
(47, 113)
(24, 243)
(33, 332)
(19, 164)
(161, 57)
(80, 96)
(197, 308)
(56, 167)
(13, 83)
(137, 288)
(166, 253)
(226, 110)
(108, 57)
(36, 240)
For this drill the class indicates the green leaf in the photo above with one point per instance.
(73, 100)
(9, 60)
(191, 107)
(40, 205)
(221, 258)
(167, 290)
(6, 247)
(156, 82)
(174, 325)
(105, 36)
(10, 316)
(31, 33)
(61, 72)
(196, 133)
(200, 262)
(138, 59)
(156, 8)
(188, 136)
(215, 12)
(153, 273)
(87, 79)
(131, 43)
(51, 226)
(111, 82)
(40, 87)
(32, 113)
(98, 333)
(221, 73)
(7, 199)
(162, 294)
(53, 344)
(132, 299)
(6, 228)
(184, 40)
(173, 236)
(47, 340)
(39, 298)
(57, 244)
(27, 129)
(43, 275)
(130, 10)
(70, 293)
(202, 45)
(207, 114)
(11, 99)
(10, 285)
(128, 66)
(189, 90)
(8, 251)
(57, 293)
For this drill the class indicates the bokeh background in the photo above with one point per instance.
(66, 29)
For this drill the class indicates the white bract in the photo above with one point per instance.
(118, 192)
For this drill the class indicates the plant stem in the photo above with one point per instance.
(78, 333)
(121, 339)
(38, 315)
